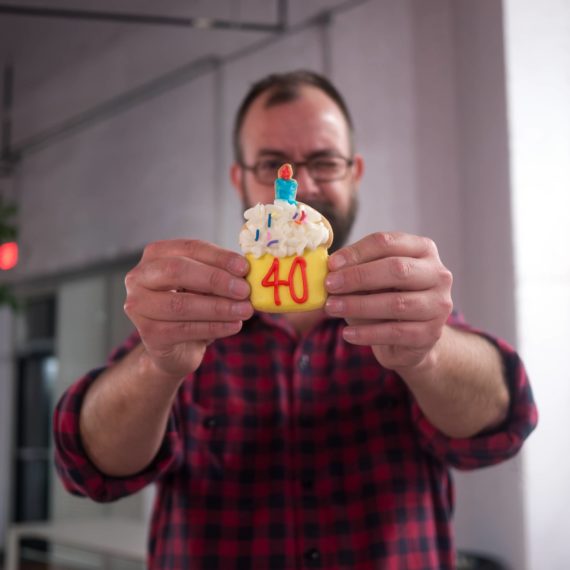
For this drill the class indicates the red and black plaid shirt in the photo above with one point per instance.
(287, 453)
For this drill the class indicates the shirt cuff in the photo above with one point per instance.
(78, 473)
(490, 446)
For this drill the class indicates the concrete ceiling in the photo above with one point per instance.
(53, 53)
(40, 46)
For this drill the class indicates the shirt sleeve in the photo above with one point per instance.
(77, 473)
(491, 446)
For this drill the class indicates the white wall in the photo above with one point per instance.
(124, 182)
(538, 55)
(494, 495)
(425, 83)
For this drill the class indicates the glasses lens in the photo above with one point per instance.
(326, 169)
(321, 169)
(266, 170)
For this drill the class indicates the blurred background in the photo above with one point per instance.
(116, 120)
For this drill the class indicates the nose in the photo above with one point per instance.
(307, 187)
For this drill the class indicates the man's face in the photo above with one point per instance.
(308, 127)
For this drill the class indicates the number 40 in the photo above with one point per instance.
(271, 279)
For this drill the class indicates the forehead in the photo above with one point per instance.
(309, 123)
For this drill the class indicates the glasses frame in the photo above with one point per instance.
(305, 163)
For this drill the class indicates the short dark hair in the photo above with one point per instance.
(283, 88)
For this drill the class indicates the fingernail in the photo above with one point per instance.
(337, 261)
(239, 287)
(238, 265)
(241, 309)
(334, 281)
(349, 333)
(335, 306)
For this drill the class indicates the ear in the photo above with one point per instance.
(357, 169)
(236, 177)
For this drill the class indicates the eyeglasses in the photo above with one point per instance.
(320, 168)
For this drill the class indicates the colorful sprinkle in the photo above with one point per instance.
(296, 214)
(256, 235)
(302, 218)
(273, 241)
(269, 221)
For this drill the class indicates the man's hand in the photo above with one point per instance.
(395, 294)
(182, 295)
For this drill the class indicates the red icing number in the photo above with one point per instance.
(271, 279)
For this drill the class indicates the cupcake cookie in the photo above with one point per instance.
(286, 244)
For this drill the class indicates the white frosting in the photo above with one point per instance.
(292, 237)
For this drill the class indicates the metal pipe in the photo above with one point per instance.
(126, 18)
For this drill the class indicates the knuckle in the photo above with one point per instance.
(192, 246)
(213, 328)
(216, 280)
(153, 249)
(131, 278)
(149, 249)
(429, 245)
(129, 306)
(168, 267)
(400, 304)
(353, 254)
(359, 275)
(446, 277)
(362, 306)
(177, 303)
(446, 305)
(384, 240)
(221, 308)
(187, 329)
(397, 331)
(400, 268)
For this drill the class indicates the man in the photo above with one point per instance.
(319, 439)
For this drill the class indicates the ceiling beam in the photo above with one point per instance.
(145, 19)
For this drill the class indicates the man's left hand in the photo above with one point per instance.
(395, 294)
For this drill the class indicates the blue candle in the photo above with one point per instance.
(286, 185)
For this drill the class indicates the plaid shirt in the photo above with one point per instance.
(286, 453)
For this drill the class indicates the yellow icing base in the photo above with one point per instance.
(263, 296)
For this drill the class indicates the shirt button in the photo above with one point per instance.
(313, 557)
(210, 422)
(304, 362)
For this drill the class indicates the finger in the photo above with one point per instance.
(403, 334)
(161, 334)
(380, 245)
(175, 306)
(199, 250)
(403, 273)
(401, 305)
(176, 273)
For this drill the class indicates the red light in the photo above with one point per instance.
(8, 255)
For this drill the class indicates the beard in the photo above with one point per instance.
(341, 223)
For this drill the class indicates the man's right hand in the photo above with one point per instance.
(182, 295)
